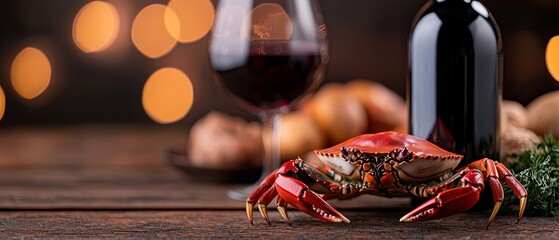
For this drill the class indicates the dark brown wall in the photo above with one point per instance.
(368, 40)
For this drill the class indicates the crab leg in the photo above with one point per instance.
(496, 172)
(517, 187)
(253, 197)
(281, 205)
(491, 174)
(264, 200)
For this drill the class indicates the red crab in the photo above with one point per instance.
(386, 164)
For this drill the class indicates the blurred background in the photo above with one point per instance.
(90, 60)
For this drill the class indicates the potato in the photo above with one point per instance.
(222, 141)
(515, 140)
(386, 110)
(299, 134)
(513, 113)
(543, 114)
(339, 114)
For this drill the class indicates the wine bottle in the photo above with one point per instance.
(454, 78)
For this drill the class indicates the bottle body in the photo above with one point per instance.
(454, 78)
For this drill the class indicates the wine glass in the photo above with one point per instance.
(267, 55)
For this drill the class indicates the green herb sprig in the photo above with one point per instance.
(538, 171)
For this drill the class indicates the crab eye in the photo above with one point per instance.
(404, 153)
(344, 152)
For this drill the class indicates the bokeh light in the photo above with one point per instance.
(195, 16)
(155, 30)
(269, 21)
(168, 95)
(30, 73)
(2, 103)
(552, 57)
(96, 26)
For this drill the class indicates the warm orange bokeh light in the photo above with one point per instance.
(154, 32)
(96, 26)
(168, 95)
(552, 57)
(195, 16)
(2, 103)
(31, 72)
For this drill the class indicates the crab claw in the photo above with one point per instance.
(297, 194)
(446, 203)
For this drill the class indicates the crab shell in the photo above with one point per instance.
(428, 160)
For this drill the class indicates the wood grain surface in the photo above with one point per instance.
(233, 224)
(100, 181)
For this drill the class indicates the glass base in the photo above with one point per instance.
(271, 160)
(240, 194)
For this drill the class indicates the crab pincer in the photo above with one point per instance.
(293, 192)
(464, 197)
(297, 194)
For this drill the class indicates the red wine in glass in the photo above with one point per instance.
(273, 75)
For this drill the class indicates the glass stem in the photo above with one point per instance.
(271, 137)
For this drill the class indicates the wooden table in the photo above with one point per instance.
(100, 181)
